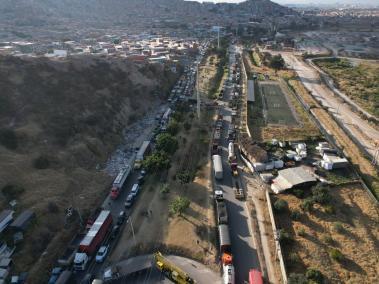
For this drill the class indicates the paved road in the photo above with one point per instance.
(357, 126)
(244, 250)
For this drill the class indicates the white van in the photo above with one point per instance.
(135, 189)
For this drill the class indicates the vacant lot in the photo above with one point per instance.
(276, 105)
(348, 222)
(360, 81)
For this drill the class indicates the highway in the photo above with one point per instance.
(244, 250)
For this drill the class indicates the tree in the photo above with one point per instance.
(280, 205)
(173, 127)
(307, 204)
(296, 278)
(167, 143)
(179, 205)
(336, 255)
(276, 62)
(156, 162)
(314, 275)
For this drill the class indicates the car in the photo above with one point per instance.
(121, 218)
(115, 231)
(143, 173)
(102, 252)
(140, 179)
(135, 190)
(129, 201)
(55, 274)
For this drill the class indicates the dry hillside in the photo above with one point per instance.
(58, 123)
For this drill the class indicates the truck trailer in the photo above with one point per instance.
(217, 165)
(119, 181)
(141, 154)
(93, 239)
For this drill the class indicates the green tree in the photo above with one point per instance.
(173, 127)
(336, 255)
(314, 275)
(167, 143)
(179, 205)
(321, 194)
(280, 205)
(156, 162)
(276, 62)
(307, 204)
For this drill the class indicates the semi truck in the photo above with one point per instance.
(143, 151)
(228, 273)
(238, 191)
(93, 239)
(222, 214)
(217, 165)
(231, 154)
(119, 181)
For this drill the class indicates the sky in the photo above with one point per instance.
(309, 1)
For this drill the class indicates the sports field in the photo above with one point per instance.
(276, 107)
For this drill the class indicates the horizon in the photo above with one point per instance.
(302, 2)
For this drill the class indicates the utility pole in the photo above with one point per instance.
(218, 37)
(197, 91)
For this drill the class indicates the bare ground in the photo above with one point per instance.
(358, 241)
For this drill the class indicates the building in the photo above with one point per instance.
(6, 216)
(22, 221)
(250, 91)
(292, 177)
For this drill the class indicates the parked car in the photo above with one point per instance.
(115, 231)
(102, 253)
(55, 274)
(121, 218)
(135, 190)
(129, 201)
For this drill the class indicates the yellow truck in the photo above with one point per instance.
(171, 271)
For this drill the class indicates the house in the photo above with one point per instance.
(6, 216)
(331, 161)
(22, 221)
(292, 177)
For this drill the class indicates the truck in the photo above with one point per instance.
(143, 151)
(170, 270)
(93, 239)
(238, 191)
(119, 181)
(231, 154)
(255, 277)
(222, 214)
(217, 165)
(225, 244)
(228, 273)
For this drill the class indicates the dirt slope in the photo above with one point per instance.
(58, 123)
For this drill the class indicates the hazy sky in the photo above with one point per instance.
(310, 1)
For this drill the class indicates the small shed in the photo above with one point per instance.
(6, 217)
(23, 220)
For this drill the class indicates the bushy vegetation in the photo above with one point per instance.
(167, 143)
(360, 82)
(336, 254)
(157, 162)
(314, 275)
(12, 191)
(280, 205)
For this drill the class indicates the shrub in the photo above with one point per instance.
(307, 204)
(301, 232)
(295, 215)
(184, 177)
(327, 239)
(8, 139)
(280, 205)
(296, 278)
(173, 127)
(329, 209)
(336, 255)
(321, 194)
(285, 237)
(187, 126)
(11, 191)
(314, 275)
(42, 162)
(299, 193)
(164, 189)
(293, 258)
(338, 227)
(156, 162)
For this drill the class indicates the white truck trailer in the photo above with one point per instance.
(217, 166)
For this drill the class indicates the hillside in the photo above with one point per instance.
(140, 13)
(59, 121)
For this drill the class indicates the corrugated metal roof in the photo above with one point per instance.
(224, 235)
(23, 219)
(4, 214)
(250, 91)
(291, 177)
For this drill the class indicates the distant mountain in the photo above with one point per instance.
(139, 12)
